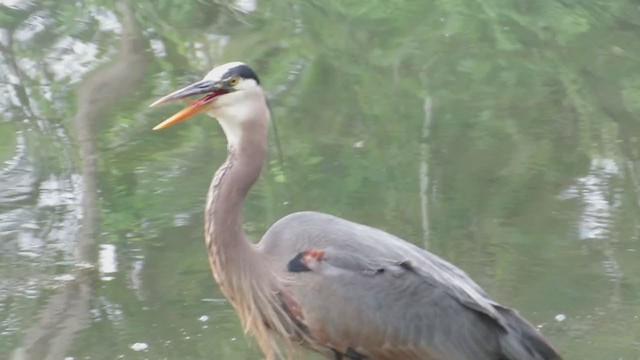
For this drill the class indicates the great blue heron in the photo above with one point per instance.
(345, 290)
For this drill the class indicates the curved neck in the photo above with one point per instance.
(244, 274)
(231, 255)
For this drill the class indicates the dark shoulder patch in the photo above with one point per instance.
(350, 354)
(243, 71)
(337, 354)
(297, 264)
(354, 355)
(406, 264)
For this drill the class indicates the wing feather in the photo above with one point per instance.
(386, 298)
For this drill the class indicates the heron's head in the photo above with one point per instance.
(228, 92)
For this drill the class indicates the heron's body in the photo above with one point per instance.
(345, 290)
(379, 296)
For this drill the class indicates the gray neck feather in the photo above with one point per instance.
(231, 254)
(246, 276)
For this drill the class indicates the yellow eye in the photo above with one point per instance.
(234, 81)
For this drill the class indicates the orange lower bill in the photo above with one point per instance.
(181, 115)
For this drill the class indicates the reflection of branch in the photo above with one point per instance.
(593, 190)
(423, 174)
(95, 96)
(611, 102)
(19, 88)
(67, 312)
(630, 167)
(610, 99)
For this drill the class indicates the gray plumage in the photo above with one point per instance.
(345, 290)
(389, 299)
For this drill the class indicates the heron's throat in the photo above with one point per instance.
(245, 276)
(231, 255)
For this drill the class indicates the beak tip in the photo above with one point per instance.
(157, 102)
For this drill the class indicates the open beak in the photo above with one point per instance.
(213, 89)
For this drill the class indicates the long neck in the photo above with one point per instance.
(231, 255)
(245, 275)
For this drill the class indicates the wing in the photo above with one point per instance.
(367, 294)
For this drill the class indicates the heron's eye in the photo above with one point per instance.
(234, 81)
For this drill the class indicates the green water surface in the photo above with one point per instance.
(504, 135)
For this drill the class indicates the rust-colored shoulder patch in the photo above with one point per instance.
(313, 255)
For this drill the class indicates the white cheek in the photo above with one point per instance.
(232, 130)
(231, 110)
(232, 107)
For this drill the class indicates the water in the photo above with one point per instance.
(502, 134)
